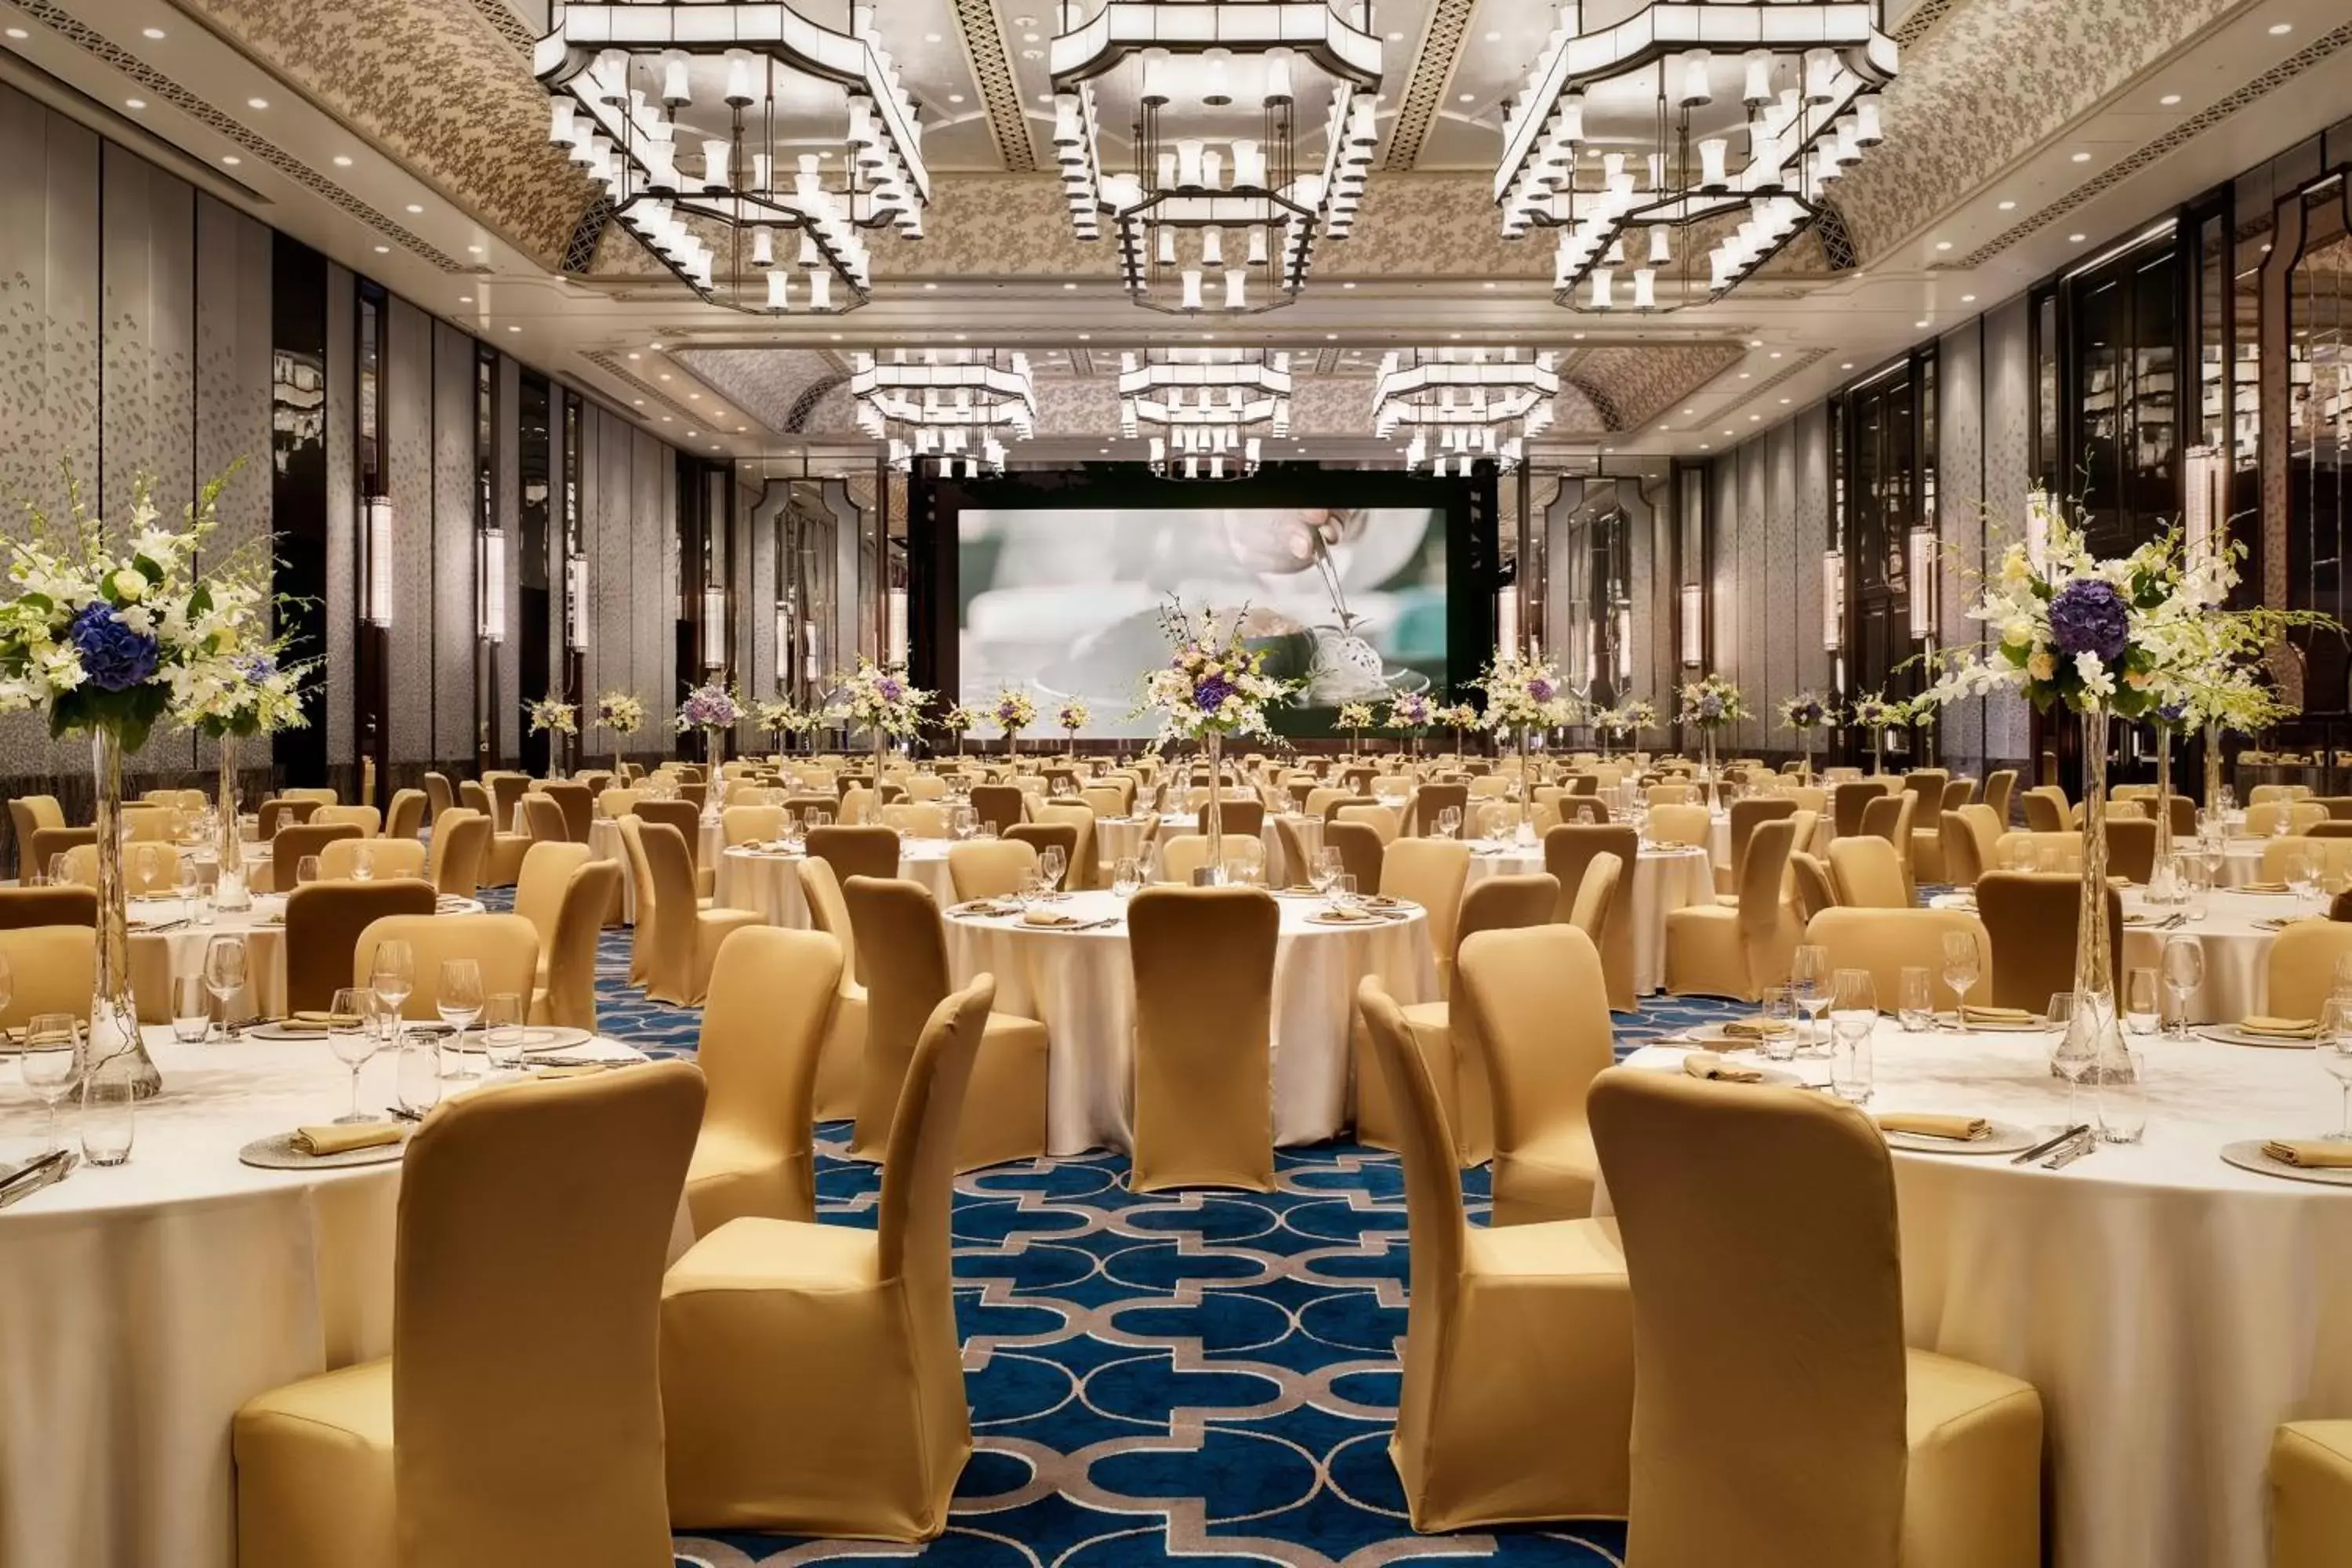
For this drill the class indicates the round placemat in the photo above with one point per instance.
(2247, 1155)
(541, 1039)
(2231, 1034)
(277, 1152)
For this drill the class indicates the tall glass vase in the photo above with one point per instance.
(1213, 810)
(2163, 887)
(1526, 790)
(114, 1013)
(1707, 764)
(2213, 767)
(230, 889)
(881, 755)
(1878, 754)
(714, 750)
(2092, 1051)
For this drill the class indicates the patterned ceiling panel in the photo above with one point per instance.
(1433, 68)
(1989, 84)
(984, 45)
(436, 84)
(1635, 384)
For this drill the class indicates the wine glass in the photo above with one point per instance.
(458, 1000)
(2336, 1056)
(1126, 878)
(503, 1034)
(2301, 877)
(187, 882)
(225, 973)
(1051, 864)
(1963, 965)
(1328, 869)
(52, 1062)
(1808, 988)
(363, 863)
(392, 975)
(354, 1036)
(1854, 995)
(1449, 822)
(150, 869)
(2184, 975)
(306, 870)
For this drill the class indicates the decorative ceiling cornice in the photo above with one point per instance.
(1915, 26)
(1000, 91)
(90, 41)
(1635, 383)
(500, 14)
(1433, 68)
(609, 361)
(2246, 95)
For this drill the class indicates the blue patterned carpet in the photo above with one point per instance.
(1209, 1377)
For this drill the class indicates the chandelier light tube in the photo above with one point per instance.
(1207, 414)
(958, 406)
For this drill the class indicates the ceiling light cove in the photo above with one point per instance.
(1215, 145)
(701, 118)
(1688, 128)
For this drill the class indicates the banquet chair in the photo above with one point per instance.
(1383, 820)
(152, 823)
(566, 993)
(1567, 850)
(283, 813)
(54, 969)
(149, 870)
(1085, 870)
(1596, 896)
(1887, 941)
(1044, 836)
(1889, 817)
(916, 819)
(1243, 816)
(507, 789)
(1361, 853)
(1534, 1003)
(539, 889)
(1179, 855)
(460, 840)
(800, 805)
(391, 1462)
(772, 996)
(865, 852)
(687, 819)
(189, 801)
(999, 806)
(318, 795)
(22, 906)
(1518, 1389)
(1203, 1076)
(1430, 872)
(506, 947)
(2311, 1494)
(1811, 886)
(858, 807)
(1783, 1201)
(839, 1065)
(906, 955)
(811, 1376)
(439, 795)
(2327, 859)
(2031, 920)
(404, 817)
(2268, 794)
(926, 787)
(2046, 809)
(619, 803)
(2131, 848)
(752, 824)
(502, 850)
(1736, 952)
(1960, 858)
(543, 823)
(576, 801)
(49, 843)
(324, 923)
(366, 818)
(1925, 788)
(2300, 816)
(1690, 824)
(2339, 806)
(1322, 798)
(990, 867)
(2000, 789)
(1745, 814)
(1431, 801)
(27, 814)
(687, 936)
(475, 795)
(2302, 969)
(1849, 800)
(1105, 799)
(1867, 874)
(1659, 794)
(292, 844)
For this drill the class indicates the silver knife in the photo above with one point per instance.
(2043, 1147)
(32, 1168)
(50, 1174)
(2071, 1152)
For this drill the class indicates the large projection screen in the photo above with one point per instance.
(1067, 601)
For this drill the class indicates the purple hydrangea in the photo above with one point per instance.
(1540, 689)
(113, 657)
(1710, 706)
(258, 667)
(1211, 694)
(2088, 616)
(2173, 713)
(889, 689)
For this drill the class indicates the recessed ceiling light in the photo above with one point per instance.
(514, 329)
(342, 162)
(1746, 375)
(960, 337)
(2168, 100)
(1330, 337)
(694, 432)
(1494, 38)
(664, 376)
(1030, 38)
(2076, 239)
(665, 418)
(231, 160)
(1069, 287)
(1396, 37)
(1033, 54)
(134, 104)
(694, 397)
(2008, 206)
(2082, 157)
(1921, 323)
(930, 285)
(1490, 283)
(1025, 21)
(640, 402)
(1689, 411)
(256, 103)
(837, 338)
(1943, 245)
(1784, 402)
(1847, 365)
(1577, 336)
(1967, 299)
(1465, 97)
(1776, 354)
(1085, 337)
(955, 98)
(415, 207)
(2280, 29)
(655, 347)
(1704, 448)
(930, 37)
(152, 32)
(1755, 419)
(1045, 98)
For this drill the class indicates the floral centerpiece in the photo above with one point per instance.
(235, 700)
(1711, 703)
(959, 720)
(1213, 685)
(1356, 717)
(714, 709)
(1458, 716)
(1070, 718)
(879, 699)
(622, 714)
(1525, 694)
(1921, 713)
(1411, 713)
(1012, 712)
(553, 716)
(108, 629)
(779, 720)
(1806, 713)
(1874, 713)
(1626, 721)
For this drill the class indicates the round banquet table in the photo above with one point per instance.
(139, 1306)
(604, 843)
(1121, 839)
(1081, 985)
(1667, 878)
(2241, 861)
(768, 881)
(2172, 1309)
(2232, 927)
(168, 937)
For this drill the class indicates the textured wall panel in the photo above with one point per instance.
(2008, 477)
(408, 449)
(1960, 525)
(652, 607)
(1757, 610)
(454, 616)
(1783, 676)
(1723, 609)
(235, 262)
(342, 514)
(148, 264)
(506, 500)
(1811, 539)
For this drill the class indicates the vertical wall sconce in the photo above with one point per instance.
(575, 601)
(1832, 601)
(1694, 625)
(376, 593)
(714, 628)
(1924, 584)
(491, 576)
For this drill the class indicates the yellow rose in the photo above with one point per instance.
(2042, 666)
(130, 585)
(2019, 633)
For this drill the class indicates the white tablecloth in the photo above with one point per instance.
(2172, 1309)
(1081, 986)
(604, 843)
(769, 881)
(2225, 924)
(139, 1306)
(2241, 861)
(1121, 838)
(1664, 880)
(177, 948)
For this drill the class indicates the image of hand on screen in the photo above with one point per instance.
(1347, 602)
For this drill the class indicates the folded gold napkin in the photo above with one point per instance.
(982, 906)
(316, 1141)
(1758, 1028)
(2310, 1153)
(322, 1020)
(1996, 1016)
(1921, 1124)
(1341, 912)
(2263, 888)
(2280, 1028)
(1707, 1065)
(1036, 917)
(573, 1069)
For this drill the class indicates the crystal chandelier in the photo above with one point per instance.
(1221, 199)
(1465, 405)
(957, 405)
(1683, 128)
(1209, 410)
(709, 124)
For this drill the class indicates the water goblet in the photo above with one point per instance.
(392, 975)
(1963, 967)
(1126, 876)
(1809, 986)
(352, 1035)
(2184, 975)
(225, 973)
(458, 1000)
(52, 1063)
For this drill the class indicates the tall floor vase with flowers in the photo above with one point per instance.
(1213, 685)
(108, 629)
(879, 698)
(1523, 693)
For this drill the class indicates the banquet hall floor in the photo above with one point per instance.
(1208, 1376)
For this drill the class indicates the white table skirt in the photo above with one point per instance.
(2172, 1309)
(768, 882)
(2241, 861)
(2237, 950)
(1121, 838)
(139, 1306)
(156, 956)
(1081, 986)
(604, 843)
(1665, 881)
